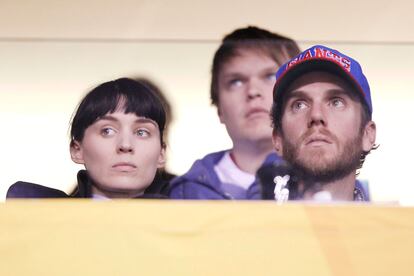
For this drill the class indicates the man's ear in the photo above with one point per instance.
(277, 142)
(76, 152)
(161, 159)
(369, 136)
(219, 114)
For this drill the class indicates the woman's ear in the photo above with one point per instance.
(76, 152)
(161, 158)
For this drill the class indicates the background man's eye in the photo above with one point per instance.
(271, 76)
(235, 83)
(142, 133)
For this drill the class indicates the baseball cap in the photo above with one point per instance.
(322, 58)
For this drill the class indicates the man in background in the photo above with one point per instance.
(243, 76)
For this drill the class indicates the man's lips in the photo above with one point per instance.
(124, 167)
(317, 140)
(257, 111)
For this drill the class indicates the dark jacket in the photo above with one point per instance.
(267, 173)
(20, 189)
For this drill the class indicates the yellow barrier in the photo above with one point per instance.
(139, 237)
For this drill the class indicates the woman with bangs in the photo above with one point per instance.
(117, 134)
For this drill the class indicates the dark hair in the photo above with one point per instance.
(129, 95)
(278, 47)
(164, 100)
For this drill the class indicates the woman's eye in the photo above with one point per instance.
(107, 131)
(143, 133)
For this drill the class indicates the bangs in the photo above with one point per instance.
(145, 105)
(124, 95)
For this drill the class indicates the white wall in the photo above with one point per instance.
(52, 53)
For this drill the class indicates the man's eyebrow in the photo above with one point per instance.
(232, 75)
(295, 94)
(270, 69)
(339, 92)
(331, 92)
(236, 71)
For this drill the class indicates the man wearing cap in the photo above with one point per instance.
(322, 122)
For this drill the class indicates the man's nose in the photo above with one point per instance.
(317, 116)
(254, 89)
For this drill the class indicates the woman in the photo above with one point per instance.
(117, 134)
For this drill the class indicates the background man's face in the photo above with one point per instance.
(245, 96)
(321, 127)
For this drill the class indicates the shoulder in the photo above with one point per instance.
(272, 158)
(201, 168)
(361, 191)
(159, 187)
(22, 189)
(200, 178)
(209, 160)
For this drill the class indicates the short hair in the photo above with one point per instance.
(278, 47)
(129, 95)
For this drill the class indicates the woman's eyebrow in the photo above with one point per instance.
(144, 120)
(109, 118)
(140, 120)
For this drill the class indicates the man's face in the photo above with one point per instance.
(245, 96)
(321, 133)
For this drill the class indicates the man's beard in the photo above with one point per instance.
(320, 170)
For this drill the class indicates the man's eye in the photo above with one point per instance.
(337, 102)
(143, 133)
(235, 83)
(107, 131)
(271, 76)
(299, 105)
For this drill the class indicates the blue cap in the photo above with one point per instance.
(321, 58)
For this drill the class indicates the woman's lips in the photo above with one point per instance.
(124, 167)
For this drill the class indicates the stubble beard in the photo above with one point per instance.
(319, 169)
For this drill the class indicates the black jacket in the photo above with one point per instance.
(158, 189)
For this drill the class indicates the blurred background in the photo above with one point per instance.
(53, 52)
